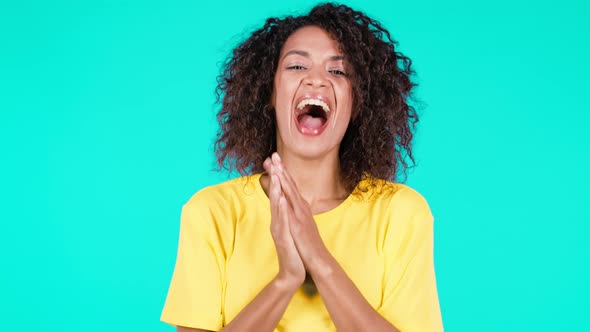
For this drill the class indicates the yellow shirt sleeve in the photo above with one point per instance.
(195, 294)
(410, 298)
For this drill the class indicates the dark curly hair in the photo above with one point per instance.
(377, 143)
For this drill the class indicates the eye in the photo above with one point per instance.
(338, 72)
(296, 67)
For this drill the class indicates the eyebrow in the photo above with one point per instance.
(306, 54)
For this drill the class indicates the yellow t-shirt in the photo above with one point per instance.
(226, 256)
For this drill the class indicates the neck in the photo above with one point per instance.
(317, 179)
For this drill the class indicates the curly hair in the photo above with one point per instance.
(377, 143)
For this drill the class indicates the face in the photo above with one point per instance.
(312, 95)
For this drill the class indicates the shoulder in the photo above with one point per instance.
(406, 218)
(392, 192)
(407, 197)
(408, 208)
(398, 200)
(224, 192)
(214, 210)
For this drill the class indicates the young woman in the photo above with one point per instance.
(317, 235)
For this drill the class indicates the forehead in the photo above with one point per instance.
(313, 39)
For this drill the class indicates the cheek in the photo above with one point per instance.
(283, 94)
(345, 100)
(281, 102)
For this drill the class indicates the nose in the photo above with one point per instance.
(316, 78)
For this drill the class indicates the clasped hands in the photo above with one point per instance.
(297, 240)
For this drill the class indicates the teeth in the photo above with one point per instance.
(315, 102)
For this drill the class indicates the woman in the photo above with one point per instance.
(315, 109)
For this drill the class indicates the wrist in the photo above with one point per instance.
(286, 284)
(322, 266)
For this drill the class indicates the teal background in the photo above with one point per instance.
(107, 123)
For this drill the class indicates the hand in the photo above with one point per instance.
(291, 268)
(302, 226)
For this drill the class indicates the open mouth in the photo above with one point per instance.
(311, 116)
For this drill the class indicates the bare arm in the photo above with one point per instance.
(189, 329)
(264, 312)
(348, 308)
(267, 308)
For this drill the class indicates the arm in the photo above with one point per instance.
(349, 310)
(410, 299)
(347, 306)
(267, 308)
(264, 312)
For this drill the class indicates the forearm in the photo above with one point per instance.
(348, 308)
(264, 312)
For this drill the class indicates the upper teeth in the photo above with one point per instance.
(316, 102)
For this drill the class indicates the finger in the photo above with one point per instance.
(278, 165)
(287, 176)
(276, 159)
(275, 189)
(285, 211)
(289, 187)
(267, 164)
(274, 194)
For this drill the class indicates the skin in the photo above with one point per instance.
(302, 180)
(310, 62)
(315, 159)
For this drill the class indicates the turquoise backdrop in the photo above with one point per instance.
(107, 120)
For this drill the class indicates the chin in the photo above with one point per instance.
(309, 149)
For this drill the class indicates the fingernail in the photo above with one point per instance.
(278, 157)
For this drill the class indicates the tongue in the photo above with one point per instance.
(310, 122)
